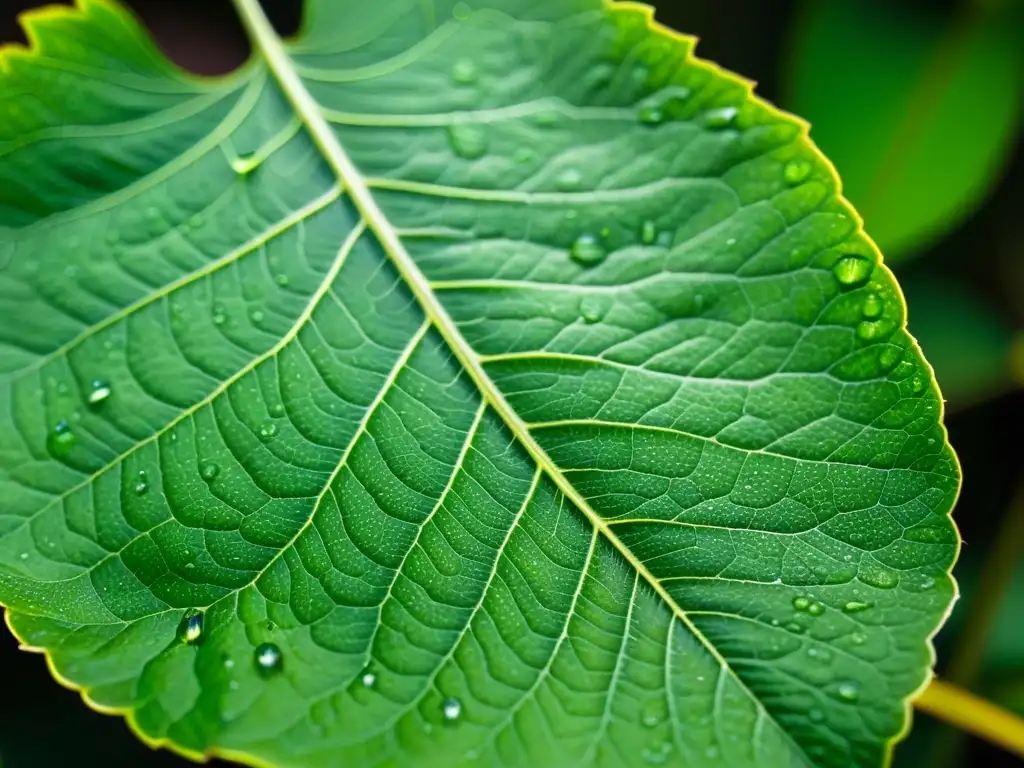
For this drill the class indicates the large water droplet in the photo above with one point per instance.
(98, 392)
(873, 306)
(190, 630)
(815, 608)
(853, 270)
(889, 357)
(587, 250)
(801, 603)
(720, 118)
(594, 306)
(464, 72)
(468, 141)
(268, 431)
(880, 578)
(268, 659)
(209, 470)
(141, 484)
(451, 709)
(848, 691)
(461, 11)
(61, 439)
(796, 171)
(855, 606)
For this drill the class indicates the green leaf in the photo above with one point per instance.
(917, 112)
(489, 382)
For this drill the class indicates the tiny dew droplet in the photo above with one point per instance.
(98, 392)
(651, 115)
(141, 484)
(256, 316)
(368, 680)
(853, 270)
(190, 630)
(569, 180)
(855, 606)
(648, 233)
(61, 439)
(848, 691)
(268, 431)
(796, 171)
(593, 307)
(467, 141)
(282, 280)
(587, 250)
(464, 72)
(209, 470)
(873, 306)
(268, 658)
(858, 638)
(451, 709)
(815, 715)
(720, 118)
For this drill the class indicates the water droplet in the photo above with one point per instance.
(866, 331)
(801, 603)
(461, 11)
(464, 72)
(368, 680)
(268, 431)
(815, 715)
(919, 583)
(796, 171)
(219, 316)
(61, 439)
(848, 691)
(873, 306)
(822, 655)
(815, 608)
(141, 484)
(569, 180)
(468, 141)
(880, 578)
(653, 713)
(855, 606)
(720, 118)
(209, 470)
(282, 280)
(858, 638)
(917, 384)
(256, 316)
(277, 410)
(190, 630)
(648, 233)
(587, 250)
(651, 115)
(889, 357)
(229, 663)
(268, 658)
(795, 628)
(593, 307)
(98, 392)
(853, 271)
(451, 709)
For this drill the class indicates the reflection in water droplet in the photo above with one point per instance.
(587, 250)
(848, 691)
(796, 171)
(593, 307)
(141, 484)
(451, 709)
(464, 72)
(99, 392)
(190, 630)
(209, 470)
(569, 180)
(468, 141)
(268, 659)
(61, 439)
(852, 270)
(651, 115)
(873, 306)
(720, 118)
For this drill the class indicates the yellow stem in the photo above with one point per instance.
(973, 714)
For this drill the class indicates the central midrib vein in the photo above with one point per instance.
(266, 40)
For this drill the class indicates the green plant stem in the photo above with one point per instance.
(974, 715)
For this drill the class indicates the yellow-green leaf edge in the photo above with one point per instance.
(684, 41)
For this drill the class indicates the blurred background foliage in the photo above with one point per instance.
(919, 104)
